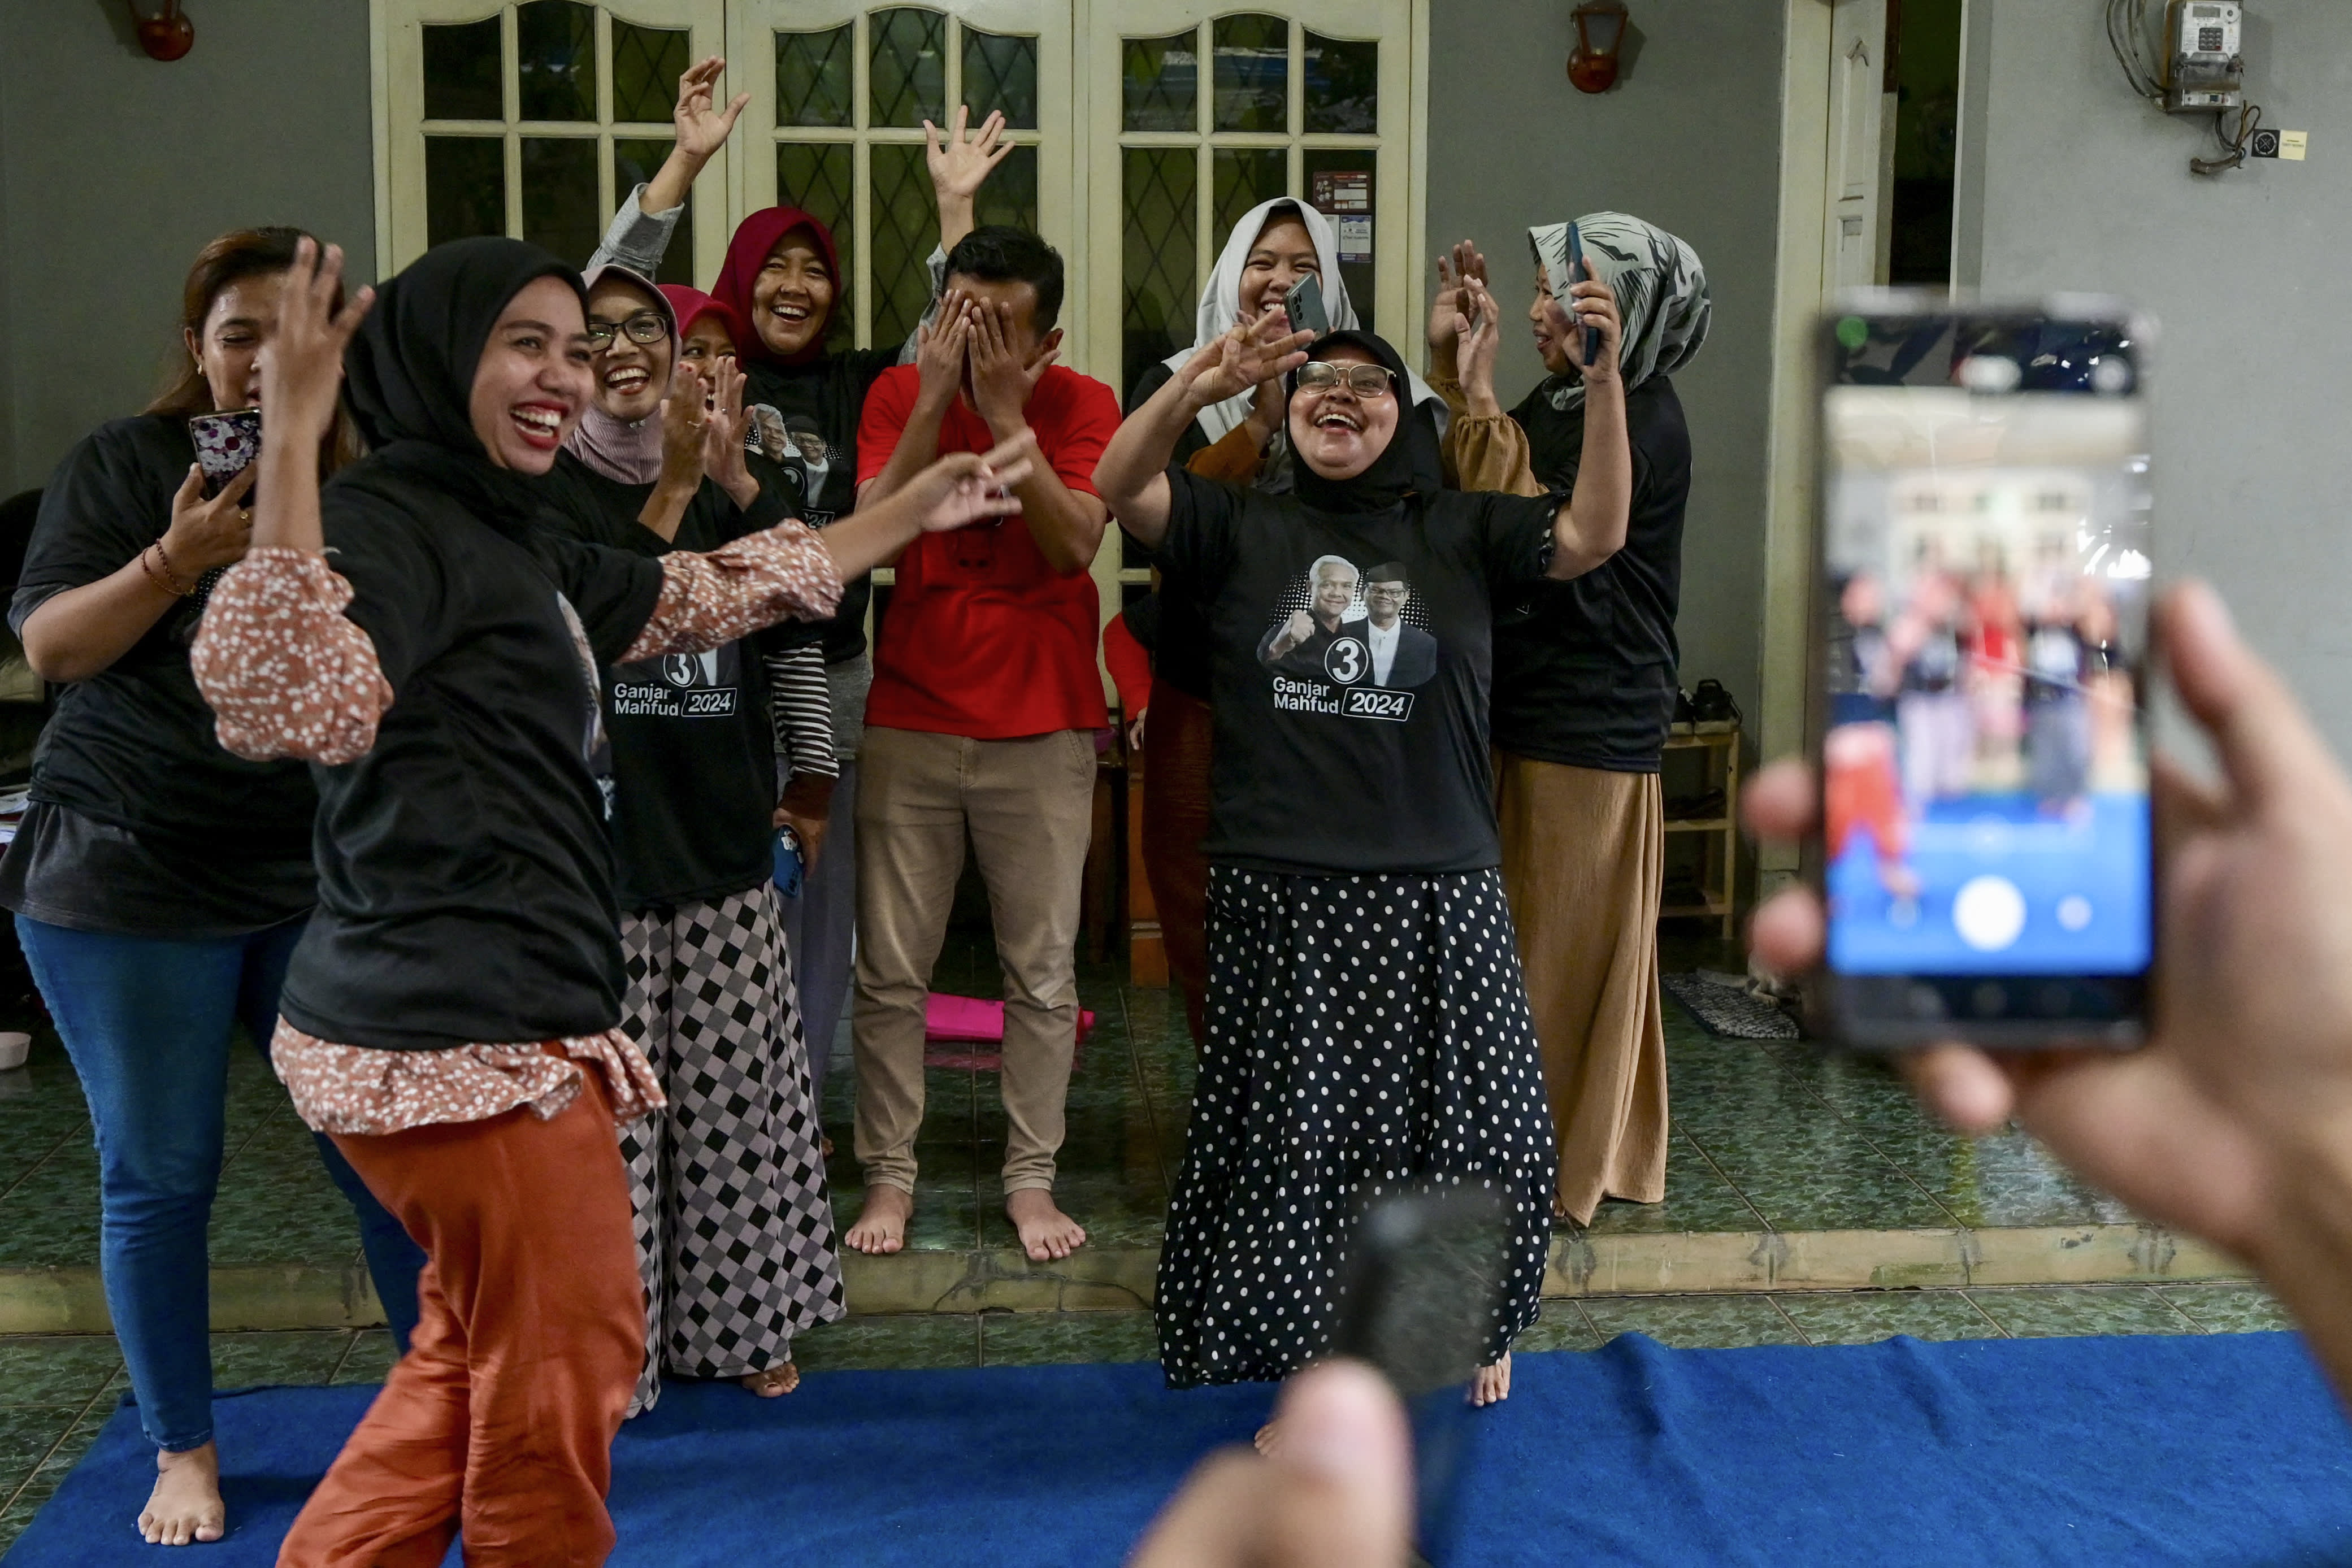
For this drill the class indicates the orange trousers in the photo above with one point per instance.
(1176, 741)
(500, 1418)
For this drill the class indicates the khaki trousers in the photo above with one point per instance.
(1027, 805)
(1584, 864)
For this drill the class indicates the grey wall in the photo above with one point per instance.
(115, 169)
(1690, 140)
(2087, 188)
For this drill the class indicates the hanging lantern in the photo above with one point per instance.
(1600, 34)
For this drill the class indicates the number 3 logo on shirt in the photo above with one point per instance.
(1346, 661)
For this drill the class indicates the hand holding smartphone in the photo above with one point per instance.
(1304, 305)
(1575, 275)
(226, 445)
(1985, 857)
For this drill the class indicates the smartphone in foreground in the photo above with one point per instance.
(1424, 1286)
(1575, 276)
(1986, 859)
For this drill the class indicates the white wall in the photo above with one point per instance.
(1690, 140)
(115, 169)
(2085, 187)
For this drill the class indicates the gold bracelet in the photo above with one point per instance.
(166, 579)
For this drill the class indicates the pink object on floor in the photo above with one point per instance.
(951, 1021)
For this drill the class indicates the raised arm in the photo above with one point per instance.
(1133, 473)
(1591, 526)
(961, 165)
(285, 672)
(938, 359)
(1067, 524)
(1485, 448)
(701, 129)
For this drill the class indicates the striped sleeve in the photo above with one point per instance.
(801, 709)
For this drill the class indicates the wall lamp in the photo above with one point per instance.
(1600, 34)
(165, 36)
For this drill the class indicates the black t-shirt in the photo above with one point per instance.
(694, 753)
(133, 747)
(1180, 648)
(831, 394)
(1358, 747)
(1584, 670)
(464, 862)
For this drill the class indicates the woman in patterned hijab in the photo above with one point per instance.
(1585, 679)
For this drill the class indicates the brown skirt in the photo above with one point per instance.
(1584, 859)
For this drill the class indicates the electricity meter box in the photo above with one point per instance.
(2204, 50)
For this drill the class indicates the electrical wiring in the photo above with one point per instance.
(2250, 119)
(2128, 37)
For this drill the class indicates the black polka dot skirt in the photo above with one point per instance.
(1366, 1033)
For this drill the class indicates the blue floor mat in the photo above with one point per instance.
(2218, 1449)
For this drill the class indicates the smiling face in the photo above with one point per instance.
(631, 377)
(1384, 601)
(1336, 432)
(237, 324)
(1284, 254)
(1554, 351)
(792, 300)
(1335, 590)
(533, 378)
(707, 342)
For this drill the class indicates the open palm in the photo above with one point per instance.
(1247, 357)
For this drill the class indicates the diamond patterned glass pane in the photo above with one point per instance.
(465, 187)
(1010, 194)
(1252, 73)
(646, 63)
(1355, 228)
(635, 159)
(1000, 72)
(555, 50)
(909, 72)
(812, 71)
(819, 178)
(1158, 267)
(1242, 178)
(461, 72)
(1163, 82)
(559, 195)
(905, 230)
(1343, 86)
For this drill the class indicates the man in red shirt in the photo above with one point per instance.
(982, 718)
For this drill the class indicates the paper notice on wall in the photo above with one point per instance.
(1339, 192)
(1355, 239)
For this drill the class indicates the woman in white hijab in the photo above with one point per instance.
(1274, 246)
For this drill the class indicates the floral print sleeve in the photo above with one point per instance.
(287, 675)
(710, 599)
(353, 1090)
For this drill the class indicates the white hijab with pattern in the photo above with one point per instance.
(1660, 289)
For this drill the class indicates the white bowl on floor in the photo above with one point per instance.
(14, 1048)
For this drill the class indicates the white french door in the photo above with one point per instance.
(839, 94)
(534, 120)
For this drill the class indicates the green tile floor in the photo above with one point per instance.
(56, 1390)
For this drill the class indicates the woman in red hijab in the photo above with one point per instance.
(778, 292)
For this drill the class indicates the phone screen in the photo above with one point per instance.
(1987, 854)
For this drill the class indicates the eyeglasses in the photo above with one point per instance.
(1364, 381)
(1386, 590)
(646, 328)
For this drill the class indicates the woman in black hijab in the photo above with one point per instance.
(451, 1017)
(1368, 1028)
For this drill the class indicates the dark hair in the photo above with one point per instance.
(232, 259)
(1390, 571)
(801, 425)
(999, 253)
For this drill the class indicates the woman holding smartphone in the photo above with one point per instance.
(451, 1017)
(159, 882)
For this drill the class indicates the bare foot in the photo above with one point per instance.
(1492, 1385)
(1046, 1233)
(186, 1504)
(824, 1147)
(770, 1382)
(881, 1225)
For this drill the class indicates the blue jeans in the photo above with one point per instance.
(147, 1020)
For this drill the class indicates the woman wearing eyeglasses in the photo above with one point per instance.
(734, 1228)
(1368, 1028)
